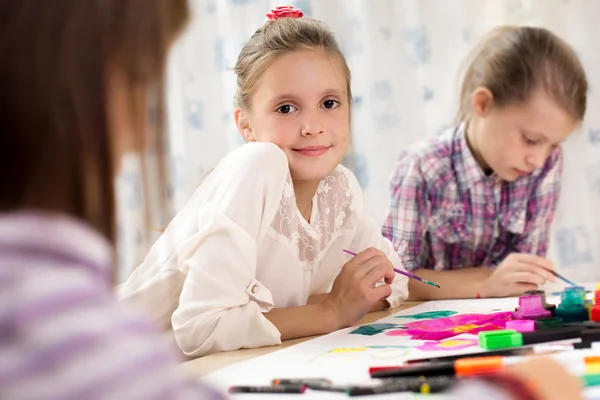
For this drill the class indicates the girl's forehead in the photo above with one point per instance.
(541, 116)
(303, 72)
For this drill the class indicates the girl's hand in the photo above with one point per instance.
(517, 274)
(550, 380)
(355, 290)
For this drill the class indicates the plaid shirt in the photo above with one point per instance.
(445, 213)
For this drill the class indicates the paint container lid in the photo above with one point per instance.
(491, 340)
(524, 325)
(548, 323)
(478, 365)
(538, 292)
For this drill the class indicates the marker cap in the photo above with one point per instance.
(478, 366)
(491, 340)
(524, 325)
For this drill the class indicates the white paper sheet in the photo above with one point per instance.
(345, 358)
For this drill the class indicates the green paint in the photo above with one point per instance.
(372, 329)
(429, 315)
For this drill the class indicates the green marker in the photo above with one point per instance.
(590, 380)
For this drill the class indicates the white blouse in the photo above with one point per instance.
(240, 247)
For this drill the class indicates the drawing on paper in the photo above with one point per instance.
(374, 329)
(443, 328)
(351, 354)
(429, 315)
(450, 344)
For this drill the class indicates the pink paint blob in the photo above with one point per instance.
(443, 328)
(397, 332)
(448, 345)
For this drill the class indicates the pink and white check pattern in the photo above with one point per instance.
(445, 213)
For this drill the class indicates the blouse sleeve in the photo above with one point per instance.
(368, 234)
(221, 304)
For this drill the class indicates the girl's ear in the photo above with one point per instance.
(482, 101)
(242, 122)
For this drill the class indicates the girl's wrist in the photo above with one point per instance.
(330, 314)
(481, 291)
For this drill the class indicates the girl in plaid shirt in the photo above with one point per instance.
(472, 209)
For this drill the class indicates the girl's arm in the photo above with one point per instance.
(222, 304)
(465, 283)
(354, 292)
(310, 320)
(379, 306)
(368, 234)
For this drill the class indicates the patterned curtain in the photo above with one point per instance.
(406, 58)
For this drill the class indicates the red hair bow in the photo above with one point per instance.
(285, 12)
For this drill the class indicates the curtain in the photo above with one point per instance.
(406, 57)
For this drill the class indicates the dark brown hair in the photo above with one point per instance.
(512, 62)
(277, 37)
(56, 151)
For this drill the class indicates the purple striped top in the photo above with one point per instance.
(62, 335)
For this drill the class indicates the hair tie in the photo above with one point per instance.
(285, 12)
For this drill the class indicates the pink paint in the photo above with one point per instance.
(397, 332)
(448, 345)
(531, 307)
(443, 328)
(523, 325)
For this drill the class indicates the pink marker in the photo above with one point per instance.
(521, 325)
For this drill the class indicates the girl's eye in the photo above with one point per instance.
(286, 109)
(529, 141)
(329, 104)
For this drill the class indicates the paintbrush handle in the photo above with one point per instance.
(407, 274)
(399, 271)
(559, 276)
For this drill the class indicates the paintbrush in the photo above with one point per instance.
(556, 274)
(559, 276)
(408, 274)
